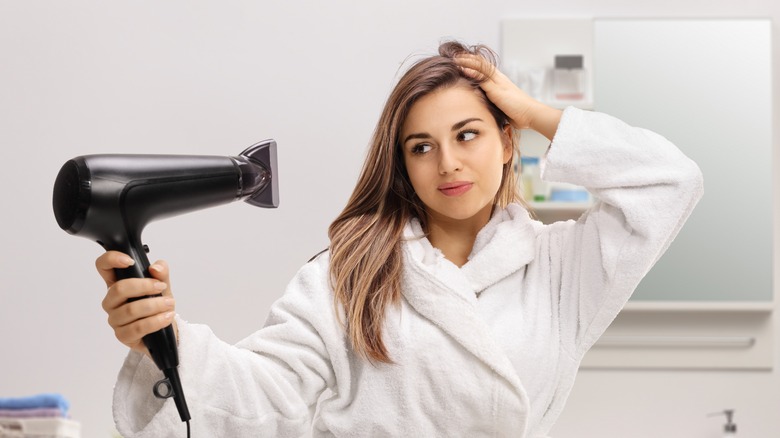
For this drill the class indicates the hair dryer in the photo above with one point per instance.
(111, 198)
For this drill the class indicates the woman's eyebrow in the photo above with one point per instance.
(413, 136)
(463, 123)
(455, 127)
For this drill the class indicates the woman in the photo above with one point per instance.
(441, 308)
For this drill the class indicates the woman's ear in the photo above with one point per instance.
(506, 137)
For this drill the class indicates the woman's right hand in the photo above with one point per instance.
(133, 320)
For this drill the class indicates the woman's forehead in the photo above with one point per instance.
(446, 107)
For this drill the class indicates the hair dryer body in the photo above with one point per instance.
(111, 198)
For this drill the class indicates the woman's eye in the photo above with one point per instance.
(467, 135)
(421, 148)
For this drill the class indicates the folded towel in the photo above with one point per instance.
(33, 413)
(48, 400)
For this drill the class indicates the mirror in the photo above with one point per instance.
(705, 84)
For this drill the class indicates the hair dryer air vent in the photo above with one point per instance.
(71, 197)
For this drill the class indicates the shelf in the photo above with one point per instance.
(714, 335)
(562, 104)
(699, 306)
(551, 211)
(558, 206)
(676, 342)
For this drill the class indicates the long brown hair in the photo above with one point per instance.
(366, 238)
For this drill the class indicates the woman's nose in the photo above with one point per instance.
(449, 162)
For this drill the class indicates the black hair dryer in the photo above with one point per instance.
(111, 198)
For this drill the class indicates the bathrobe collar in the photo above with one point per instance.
(446, 294)
(504, 245)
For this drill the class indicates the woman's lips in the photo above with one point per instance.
(455, 188)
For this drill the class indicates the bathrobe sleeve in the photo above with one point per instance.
(645, 189)
(266, 385)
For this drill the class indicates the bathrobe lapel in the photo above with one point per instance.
(446, 294)
(506, 244)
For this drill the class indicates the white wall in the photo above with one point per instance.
(197, 77)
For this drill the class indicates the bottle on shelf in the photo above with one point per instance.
(568, 78)
(533, 188)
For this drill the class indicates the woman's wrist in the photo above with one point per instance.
(544, 119)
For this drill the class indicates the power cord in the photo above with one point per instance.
(169, 387)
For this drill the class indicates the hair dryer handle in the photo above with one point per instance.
(161, 344)
(140, 269)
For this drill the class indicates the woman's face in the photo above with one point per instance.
(454, 154)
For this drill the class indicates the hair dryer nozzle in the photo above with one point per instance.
(259, 176)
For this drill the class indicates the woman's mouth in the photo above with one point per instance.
(456, 188)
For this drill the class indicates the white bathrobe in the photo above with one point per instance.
(489, 349)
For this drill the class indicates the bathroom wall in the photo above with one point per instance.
(200, 77)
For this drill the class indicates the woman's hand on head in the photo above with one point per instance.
(524, 112)
(133, 320)
(507, 96)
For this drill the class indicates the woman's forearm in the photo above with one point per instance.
(544, 119)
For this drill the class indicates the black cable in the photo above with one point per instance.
(188, 428)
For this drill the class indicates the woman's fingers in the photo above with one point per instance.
(109, 261)
(475, 74)
(132, 334)
(483, 71)
(160, 271)
(475, 66)
(513, 101)
(121, 291)
(136, 307)
(132, 320)
(133, 311)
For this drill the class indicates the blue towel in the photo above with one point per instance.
(50, 400)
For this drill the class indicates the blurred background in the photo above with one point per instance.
(212, 78)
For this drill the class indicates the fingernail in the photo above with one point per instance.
(157, 268)
(168, 302)
(128, 261)
(160, 286)
(168, 316)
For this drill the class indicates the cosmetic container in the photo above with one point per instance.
(568, 78)
(564, 192)
(534, 189)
